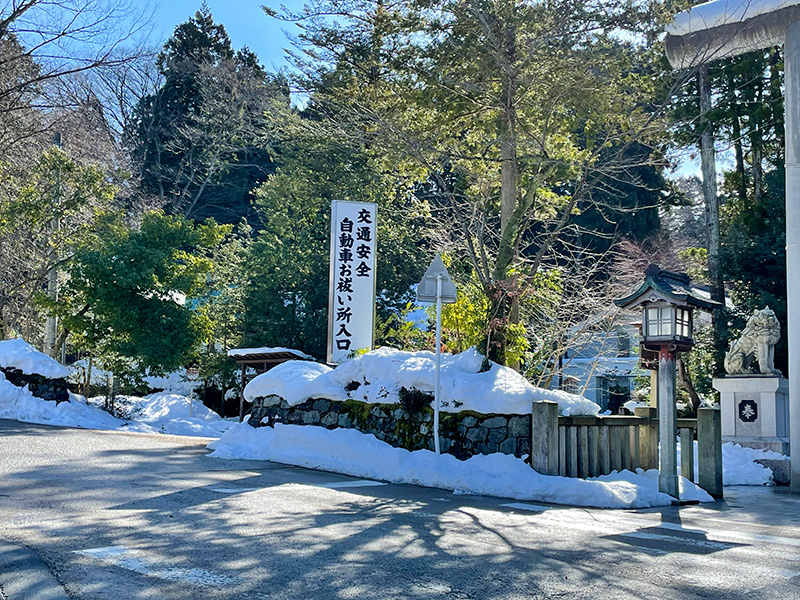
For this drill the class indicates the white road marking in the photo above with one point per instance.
(134, 560)
(351, 484)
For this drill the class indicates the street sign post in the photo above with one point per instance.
(437, 286)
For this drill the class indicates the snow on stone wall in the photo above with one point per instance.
(22, 365)
(462, 434)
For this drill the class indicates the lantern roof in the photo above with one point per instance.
(669, 286)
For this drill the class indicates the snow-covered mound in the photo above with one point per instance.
(739, 466)
(361, 455)
(166, 407)
(157, 413)
(376, 377)
(174, 382)
(19, 354)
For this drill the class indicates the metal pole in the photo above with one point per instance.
(241, 395)
(438, 362)
(667, 424)
(792, 125)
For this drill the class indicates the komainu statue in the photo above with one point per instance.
(757, 341)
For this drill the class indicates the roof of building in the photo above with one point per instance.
(267, 355)
(662, 284)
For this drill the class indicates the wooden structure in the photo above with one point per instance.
(260, 360)
(667, 301)
(588, 446)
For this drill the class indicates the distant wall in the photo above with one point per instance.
(39, 386)
(462, 434)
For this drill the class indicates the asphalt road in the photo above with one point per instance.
(108, 516)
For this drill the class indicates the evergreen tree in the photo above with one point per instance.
(517, 116)
(288, 260)
(202, 142)
(128, 295)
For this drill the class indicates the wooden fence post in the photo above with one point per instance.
(648, 437)
(544, 437)
(615, 447)
(687, 453)
(594, 451)
(709, 450)
(604, 449)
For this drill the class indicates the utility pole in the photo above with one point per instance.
(51, 324)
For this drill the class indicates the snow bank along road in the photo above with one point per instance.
(128, 516)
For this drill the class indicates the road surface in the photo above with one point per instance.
(89, 515)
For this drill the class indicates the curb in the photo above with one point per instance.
(23, 575)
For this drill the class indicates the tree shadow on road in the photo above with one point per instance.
(274, 531)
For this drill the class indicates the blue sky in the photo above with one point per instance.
(245, 22)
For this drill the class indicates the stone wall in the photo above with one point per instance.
(462, 434)
(39, 386)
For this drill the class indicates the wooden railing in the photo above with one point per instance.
(589, 446)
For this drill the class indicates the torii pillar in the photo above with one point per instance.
(725, 28)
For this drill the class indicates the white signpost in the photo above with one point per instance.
(351, 302)
(437, 286)
(723, 28)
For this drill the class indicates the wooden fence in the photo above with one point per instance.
(588, 446)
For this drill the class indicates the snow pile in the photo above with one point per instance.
(632, 405)
(19, 354)
(169, 413)
(295, 381)
(157, 413)
(19, 404)
(361, 455)
(174, 382)
(739, 466)
(377, 376)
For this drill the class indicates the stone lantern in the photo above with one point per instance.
(668, 301)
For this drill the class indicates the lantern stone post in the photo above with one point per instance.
(667, 301)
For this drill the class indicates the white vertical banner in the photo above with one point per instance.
(351, 302)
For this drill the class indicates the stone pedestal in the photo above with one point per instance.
(755, 411)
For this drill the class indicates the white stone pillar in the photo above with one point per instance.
(792, 124)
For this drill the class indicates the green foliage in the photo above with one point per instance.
(289, 306)
(43, 209)
(696, 261)
(56, 188)
(464, 323)
(122, 298)
(754, 255)
(529, 127)
(400, 329)
(700, 361)
(202, 141)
